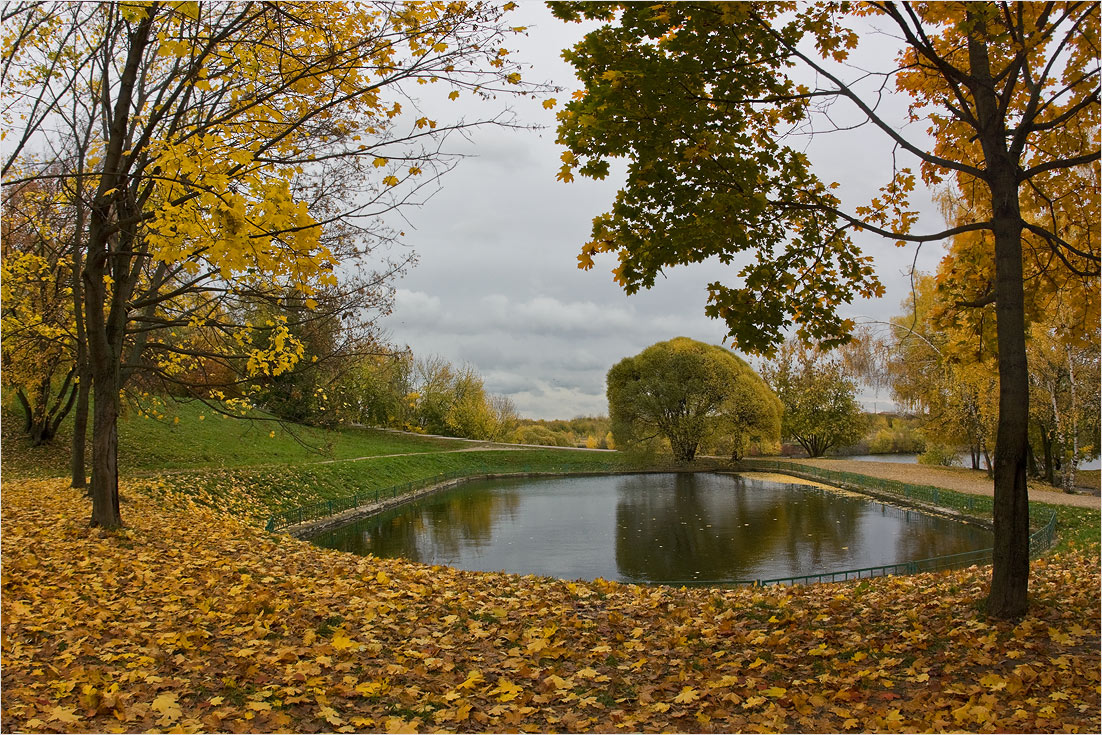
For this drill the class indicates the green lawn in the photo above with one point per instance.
(239, 465)
(192, 436)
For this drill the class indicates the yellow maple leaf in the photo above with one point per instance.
(993, 681)
(506, 690)
(63, 714)
(330, 715)
(341, 641)
(775, 692)
(474, 678)
(687, 695)
(168, 705)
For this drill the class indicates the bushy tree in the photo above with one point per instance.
(38, 336)
(820, 400)
(687, 392)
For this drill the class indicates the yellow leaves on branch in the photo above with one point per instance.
(282, 352)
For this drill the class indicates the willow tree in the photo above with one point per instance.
(687, 392)
(230, 154)
(700, 99)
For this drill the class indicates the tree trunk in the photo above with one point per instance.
(105, 442)
(109, 252)
(1010, 573)
(1007, 598)
(80, 428)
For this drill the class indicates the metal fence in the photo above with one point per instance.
(922, 493)
(1039, 542)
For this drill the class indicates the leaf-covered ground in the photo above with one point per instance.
(190, 620)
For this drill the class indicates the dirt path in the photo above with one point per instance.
(951, 478)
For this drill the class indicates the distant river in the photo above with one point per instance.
(965, 460)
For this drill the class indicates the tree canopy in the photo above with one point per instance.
(688, 392)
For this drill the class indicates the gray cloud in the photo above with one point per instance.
(497, 284)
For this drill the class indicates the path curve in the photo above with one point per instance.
(949, 478)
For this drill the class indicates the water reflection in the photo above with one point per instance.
(431, 532)
(654, 528)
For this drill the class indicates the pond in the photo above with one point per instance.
(654, 528)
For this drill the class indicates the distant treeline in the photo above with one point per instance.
(593, 432)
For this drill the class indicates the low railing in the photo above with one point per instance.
(327, 508)
(1039, 542)
(922, 493)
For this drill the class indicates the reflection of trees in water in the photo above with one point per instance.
(927, 537)
(670, 528)
(433, 530)
(711, 527)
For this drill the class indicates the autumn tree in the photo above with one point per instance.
(1065, 403)
(686, 392)
(39, 343)
(819, 398)
(700, 98)
(942, 368)
(231, 152)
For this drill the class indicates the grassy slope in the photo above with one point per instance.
(203, 439)
(238, 465)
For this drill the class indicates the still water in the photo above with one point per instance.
(653, 528)
(965, 460)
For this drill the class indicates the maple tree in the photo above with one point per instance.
(39, 344)
(228, 154)
(819, 398)
(700, 97)
(687, 392)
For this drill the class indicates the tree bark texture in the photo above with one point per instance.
(1008, 596)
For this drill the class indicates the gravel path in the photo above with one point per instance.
(951, 478)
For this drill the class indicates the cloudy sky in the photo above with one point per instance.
(497, 284)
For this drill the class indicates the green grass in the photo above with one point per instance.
(1076, 528)
(269, 490)
(237, 464)
(204, 439)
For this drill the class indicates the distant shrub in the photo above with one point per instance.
(941, 455)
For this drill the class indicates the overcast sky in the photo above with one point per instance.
(497, 284)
